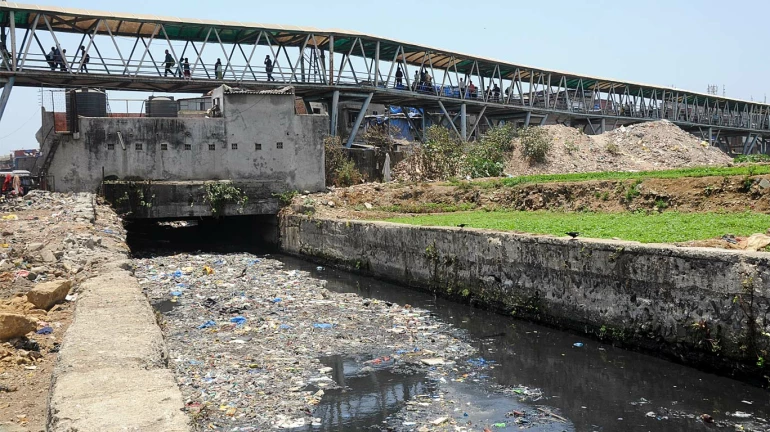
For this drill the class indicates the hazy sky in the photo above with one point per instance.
(687, 44)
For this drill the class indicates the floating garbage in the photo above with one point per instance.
(254, 355)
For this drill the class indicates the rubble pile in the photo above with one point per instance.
(245, 337)
(647, 146)
(49, 243)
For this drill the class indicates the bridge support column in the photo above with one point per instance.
(6, 95)
(604, 125)
(464, 123)
(711, 136)
(359, 119)
(335, 113)
(528, 118)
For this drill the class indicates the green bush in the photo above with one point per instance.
(752, 158)
(535, 143)
(340, 170)
(486, 157)
(439, 156)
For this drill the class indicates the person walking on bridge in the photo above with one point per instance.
(63, 60)
(51, 58)
(399, 77)
(218, 69)
(187, 74)
(84, 59)
(169, 62)
(269, 68)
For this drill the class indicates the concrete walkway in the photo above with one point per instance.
(112, 373)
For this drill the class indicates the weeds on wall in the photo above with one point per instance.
(340, 170)
(219, 194)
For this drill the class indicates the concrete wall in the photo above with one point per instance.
(370, 162)
(248, 120)
(703, 306)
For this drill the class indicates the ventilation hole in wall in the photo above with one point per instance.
(138, 146)
(164, 146)
(234, 146)
(212, 146)
(279, 145)
(110, 146)
(188, 146)
(257, 146)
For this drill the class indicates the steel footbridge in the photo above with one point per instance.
(44, 46)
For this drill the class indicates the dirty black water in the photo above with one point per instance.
(595, 387)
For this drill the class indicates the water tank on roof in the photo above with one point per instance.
(88, 103)
(161, 106)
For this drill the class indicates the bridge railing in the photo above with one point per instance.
(524, 88)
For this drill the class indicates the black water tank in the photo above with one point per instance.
(161, 106)
(90, 103)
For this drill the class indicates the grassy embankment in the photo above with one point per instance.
(744, 170)
(647, 228)
(665, 227)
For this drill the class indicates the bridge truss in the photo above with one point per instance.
(127, 52)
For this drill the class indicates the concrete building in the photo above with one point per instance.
(256, 136)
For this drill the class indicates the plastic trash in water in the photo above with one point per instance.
(276, 300)
(177, 274)
(578, 344)
(207, 324)
(239, 320)
(45, 330)
(285, 326)
(176, 293)
(323, 326)
(319, 268)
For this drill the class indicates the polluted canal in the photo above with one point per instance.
(265, 341)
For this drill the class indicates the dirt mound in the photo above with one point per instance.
(642, 147)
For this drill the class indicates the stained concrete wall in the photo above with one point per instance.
(703, 306)
(177, 149)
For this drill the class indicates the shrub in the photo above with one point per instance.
(340, 170)
(535, 143)
(486, 157)
(612, 148)
(438, 158)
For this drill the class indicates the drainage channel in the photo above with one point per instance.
(542, 379)
(596, 386)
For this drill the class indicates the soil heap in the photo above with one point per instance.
(648, 146)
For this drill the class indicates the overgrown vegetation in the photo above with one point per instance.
(618, 175)
(535, 143)
(380, 136)
(752, 158)
(486, 157)
(340, 170)
(439, 156)
(220, 193)
(286, 197)
(444, 156)
(664, 227)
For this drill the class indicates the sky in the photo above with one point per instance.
(688, 44)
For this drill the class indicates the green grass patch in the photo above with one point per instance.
(427, 208)
(665, 227)
(747, 170)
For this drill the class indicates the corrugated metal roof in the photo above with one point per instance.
(126, 24)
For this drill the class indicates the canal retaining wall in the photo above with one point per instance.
(705, 306)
